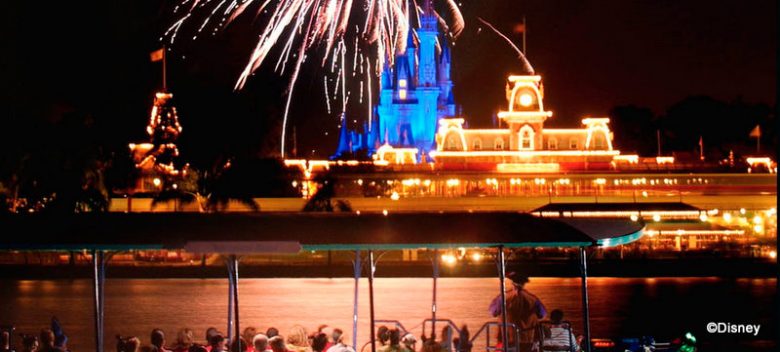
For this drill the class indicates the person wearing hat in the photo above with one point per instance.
(524, 310)
(409, 342)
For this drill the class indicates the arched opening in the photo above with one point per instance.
(453, 141)
(476, 144)
(498, 143)
(552, 143)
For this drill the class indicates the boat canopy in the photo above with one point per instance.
(618, 206)
(243, 233)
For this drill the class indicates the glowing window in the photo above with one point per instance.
(498, 144)
(476, 144)
(402, 83)
(526, 138)
(552, 143)
(402, 94)
(573, 144)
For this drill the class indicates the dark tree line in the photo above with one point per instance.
(723, 127)
(68, 163)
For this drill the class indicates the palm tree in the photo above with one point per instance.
(321, 201)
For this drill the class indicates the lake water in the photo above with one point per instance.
(662, 307)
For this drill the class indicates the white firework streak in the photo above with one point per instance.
(343, 78)
(327, 98)
(370, 105)
(526, 65)
(305, 24)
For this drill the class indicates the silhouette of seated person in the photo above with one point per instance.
(558, 335)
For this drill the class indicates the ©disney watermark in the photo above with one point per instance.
(732, 328)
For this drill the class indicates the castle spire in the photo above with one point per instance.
(428, 7)
(345, 141)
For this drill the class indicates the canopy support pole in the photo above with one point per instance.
(230, 301)
(585, 308)
(99, 278)
(234, 329)
(435, 288)
(502, 278)
(371, 296)
(357, 268)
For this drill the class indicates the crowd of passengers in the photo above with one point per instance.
(325, 339)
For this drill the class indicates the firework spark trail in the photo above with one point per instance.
(297, 26)
(338, 82)
(293, 79)
(526, 65)
(288, 46)
(269, 37)
(206, 22)
(343, 77)
(327, 98)
(370, 105)
(457, 19)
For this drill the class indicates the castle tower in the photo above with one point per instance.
(416, 92)
(525, 116)
(428, 32)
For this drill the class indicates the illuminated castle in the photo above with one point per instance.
(524, 145)
(416, 92)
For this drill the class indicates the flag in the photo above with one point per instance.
(519, 28)
(701, 148)
(756, 132)
(157, 55)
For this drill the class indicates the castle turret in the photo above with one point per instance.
(428, 32)
(411, 54)
(345, 139)
(446, 98)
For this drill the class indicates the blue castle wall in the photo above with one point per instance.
(416, 91)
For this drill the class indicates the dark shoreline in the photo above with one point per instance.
(724, 268)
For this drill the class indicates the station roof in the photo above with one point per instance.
(243, 233)
(618, 206)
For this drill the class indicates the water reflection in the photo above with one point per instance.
(663, 307)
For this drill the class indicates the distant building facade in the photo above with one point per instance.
(524, 144)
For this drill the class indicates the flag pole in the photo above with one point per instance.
(525, 31)
(658, 140)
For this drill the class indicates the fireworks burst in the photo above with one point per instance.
(375, 29)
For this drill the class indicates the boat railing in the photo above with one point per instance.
(486, 330)
(447, 322)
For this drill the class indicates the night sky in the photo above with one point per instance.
(92, 58)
